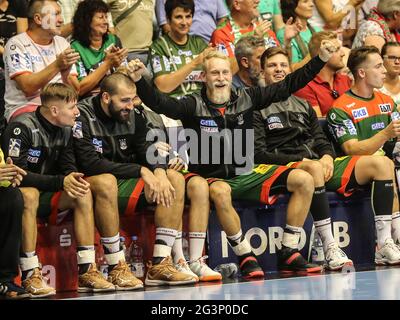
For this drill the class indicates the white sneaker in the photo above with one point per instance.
(183, 267)
(336, 259)
(203, 271)
(388, 254)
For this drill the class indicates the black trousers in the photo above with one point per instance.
(11, 209)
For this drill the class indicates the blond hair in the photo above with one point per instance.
(214, 55)
(387, 7)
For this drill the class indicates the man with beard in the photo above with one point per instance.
(288, 133)
(37, 57)
(329, 84)
(364, 121)
(110, 138)
(224, 116)
(248, 52)
(40, 142)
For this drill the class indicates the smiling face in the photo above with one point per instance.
(180, 22)
(218, 80)
(99, 23)
(276, 68)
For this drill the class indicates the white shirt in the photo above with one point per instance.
(23, 55)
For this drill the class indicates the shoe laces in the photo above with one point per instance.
(334, 252)
(38, 276)
(122, 269)
(201, 260)
(390, 244)
(165, 264)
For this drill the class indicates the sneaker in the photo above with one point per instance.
(183, 267)
(203, 271)
(249, 268)
(123, 279)
(36, 285)
(165, 273)
(93, 281)
(389, 254)
(10, 290)
(336, 259)
(290, 260)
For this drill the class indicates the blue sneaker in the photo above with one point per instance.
(9, 290)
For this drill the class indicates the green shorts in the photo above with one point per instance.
(130, 196)
(259, 185)
(343, 168)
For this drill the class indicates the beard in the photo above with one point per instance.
(118, 115)
(219, 95)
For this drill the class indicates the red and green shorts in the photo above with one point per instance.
(343, 168)
(262, 184)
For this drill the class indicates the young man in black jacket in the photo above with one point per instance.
(224, 116)
(40, 142)
(288, 133)
(110, 138)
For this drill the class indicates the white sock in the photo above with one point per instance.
(165, 239)
(196, 244)
(177, 249)
(396, 227)
(383, 226)
(291, 236)
(236, 238)
(324, 229)
(111, 243)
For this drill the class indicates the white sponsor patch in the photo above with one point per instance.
(14, 148)
(360, 113)
(156, 64)
(350, 126)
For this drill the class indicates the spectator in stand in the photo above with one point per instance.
(243, 21)
(301, 11)
(339, 16)
(248, 52)
(13, 20)
(36, 57)
(208, 14)
(271, 10)
(391, 61)
(381, 26)
(100, 51)
(133, 21)
(68, 8)
(329, 84)
(365, 10)
(176, 57)
(12, 206)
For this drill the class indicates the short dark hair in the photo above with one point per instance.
(83, 17)
(171, 5)
(58, 91)
(358, 56)
(388, 45)
(111, 83)
(288, 8)
(270, 52)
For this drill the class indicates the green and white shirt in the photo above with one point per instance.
(166, 57)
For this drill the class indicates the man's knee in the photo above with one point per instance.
(103, 184)
(220, 193)
(176, 178)
(382, 166)
(300, 181)
(31, 197)
(314, 168)
(198, 188)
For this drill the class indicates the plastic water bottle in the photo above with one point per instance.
(136, 258)
(103, 266)
(185, 246)
(227, 270)
(317, 251)
(124, 249)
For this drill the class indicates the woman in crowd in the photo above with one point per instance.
(301, 11)
(100, 51)
(391, 61)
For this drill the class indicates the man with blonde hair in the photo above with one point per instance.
(224, 116)
(329, 84)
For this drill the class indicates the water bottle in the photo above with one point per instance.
(317, 251)
(185, 246)
(124, 249)
(227, 270)
(136, 258)
(396, 150)
(103, 266)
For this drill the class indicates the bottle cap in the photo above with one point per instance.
(134, 238)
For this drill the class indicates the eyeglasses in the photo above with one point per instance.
(393, 58)
(335, 94)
